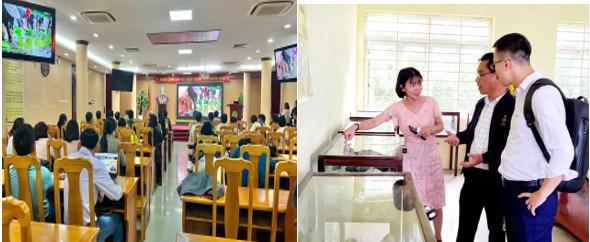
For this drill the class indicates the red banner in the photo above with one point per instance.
(175, 78)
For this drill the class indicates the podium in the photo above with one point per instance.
(236, 107)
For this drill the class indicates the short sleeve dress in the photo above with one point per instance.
(423, 157)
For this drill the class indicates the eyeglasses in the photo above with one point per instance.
(483, 74)
(494, 64)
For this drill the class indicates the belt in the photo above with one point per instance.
(533, 183)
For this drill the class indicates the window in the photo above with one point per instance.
(571, 62)
(445, 50)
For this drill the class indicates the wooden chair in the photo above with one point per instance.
(246, 133)
(57, 145)
(263, 130)
(62, 131)
(196, 132)
(222, 134)
(11, 209)
(137, 127)
(82, 123)
(206, 139)
(277, 139)
(99, 123)
(274, 127)
(4, 144)
(73, 168)
(292, 147)
(290, 131)
(256, 138)
(241, 125)
(209, 150)
(231, 209)
(147, 132)
(231, 142)
(255, 151)
(291, 213)
(21, 164)
(125, 134)
(53, 131)
(131, 150)
(215, 123)
(228, 128)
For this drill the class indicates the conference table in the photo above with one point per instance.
(365, 206)
(197, 211)
(50, 232)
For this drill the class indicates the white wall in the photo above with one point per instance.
(332, 38)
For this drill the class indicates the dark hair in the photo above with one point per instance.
(98, 114)
(18, 122)
(210, 116)
(89, 138)
(23, 140)
(244, 141)
(282, 121)
(88, 117)
(130, 114)
(262, 117)
(165, 114)
(216, 114)
(198, 116)
(273, 150)
(122, 122)
(207, 129)
(286, 106)
(516, 45)
(72, 131)
(274, 118)
(110, 114)
(153, 121)
(253, 118)
(233, 119)
(62, 120)
(41, 130)
(402, 77)
(223, 118)
(117, 115)
(489, 57)
(109, 127)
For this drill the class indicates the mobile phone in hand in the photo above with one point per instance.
(415, 130)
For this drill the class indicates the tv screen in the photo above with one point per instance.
(286, 63)
(28, 31)
(202, 97)
(122, 80)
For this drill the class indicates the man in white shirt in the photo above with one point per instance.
(109, 224)
(191, 132)
(530, 199)
(485, 137)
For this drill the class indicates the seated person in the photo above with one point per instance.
(111, 224)
(72, 136)
(130, 118)
(24, 143)
(153, 123)
(117, 115)
(89, 118)
(18, 122)
(207, 129)
(41, 137)
(211, 117)
(254, 123)
(282, 124)
(261, 163)
(223, 122)
(108, 142)
(262, 119)
(191, 132)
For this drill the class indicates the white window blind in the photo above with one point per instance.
(571, 62)
(445, 50)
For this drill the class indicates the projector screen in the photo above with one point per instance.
(202, 97)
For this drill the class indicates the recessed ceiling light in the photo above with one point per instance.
(258, 51)
(111, 47)
(122, 56)
(249, 58)
(186, 73)
(72, 17)
(94, 66)
(287, 26)
(270, 40)
(181, 15)
(185, 51)
(169, 66)
(66, 54)
(172, 74)
(130, 62)
(95, 35)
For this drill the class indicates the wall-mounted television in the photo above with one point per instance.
(122, 80)
(286, 63)
(28, 31)
(202, 97)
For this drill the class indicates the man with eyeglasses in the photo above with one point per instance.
(485, 137)
(530, 199)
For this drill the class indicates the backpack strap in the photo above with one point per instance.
(529, 116)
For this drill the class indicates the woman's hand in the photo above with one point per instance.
(425, 132)
(349, 133)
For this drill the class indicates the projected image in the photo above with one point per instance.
(26, 31)
(286, 63)
(202, 98)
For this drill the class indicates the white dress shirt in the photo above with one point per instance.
(482, 130)
(522, 159)
(102, 182)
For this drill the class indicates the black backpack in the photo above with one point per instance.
(576, 119)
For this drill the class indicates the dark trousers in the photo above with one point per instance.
(481, 190)
(521, 225)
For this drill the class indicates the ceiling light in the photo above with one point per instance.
(270, 40)
(169, 66)
(249, 58)
(130, 62)
(95, 35)
(66, 54)
(111, 47)
(186, 73)
(94, 66)
(287, 26)
(122, 56)
(199, 68)
(185, 51)
(251, 67)
(258, 51)
(181, 15)
(72, 17)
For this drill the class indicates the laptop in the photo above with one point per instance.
(110, 161)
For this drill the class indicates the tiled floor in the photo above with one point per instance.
(167, 211)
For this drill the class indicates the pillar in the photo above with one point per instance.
(246, 92)
(265, 83)
(116, 95)
(82, 80)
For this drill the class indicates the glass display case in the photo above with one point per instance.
(361, 207)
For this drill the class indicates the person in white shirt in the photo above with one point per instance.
(254, 123)
(18, 122)
(191, 132)
(41, 137)
(530, 199)
(111, 224)
(286, 111)
(485, 137)
(72, 136)
(223, 122)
